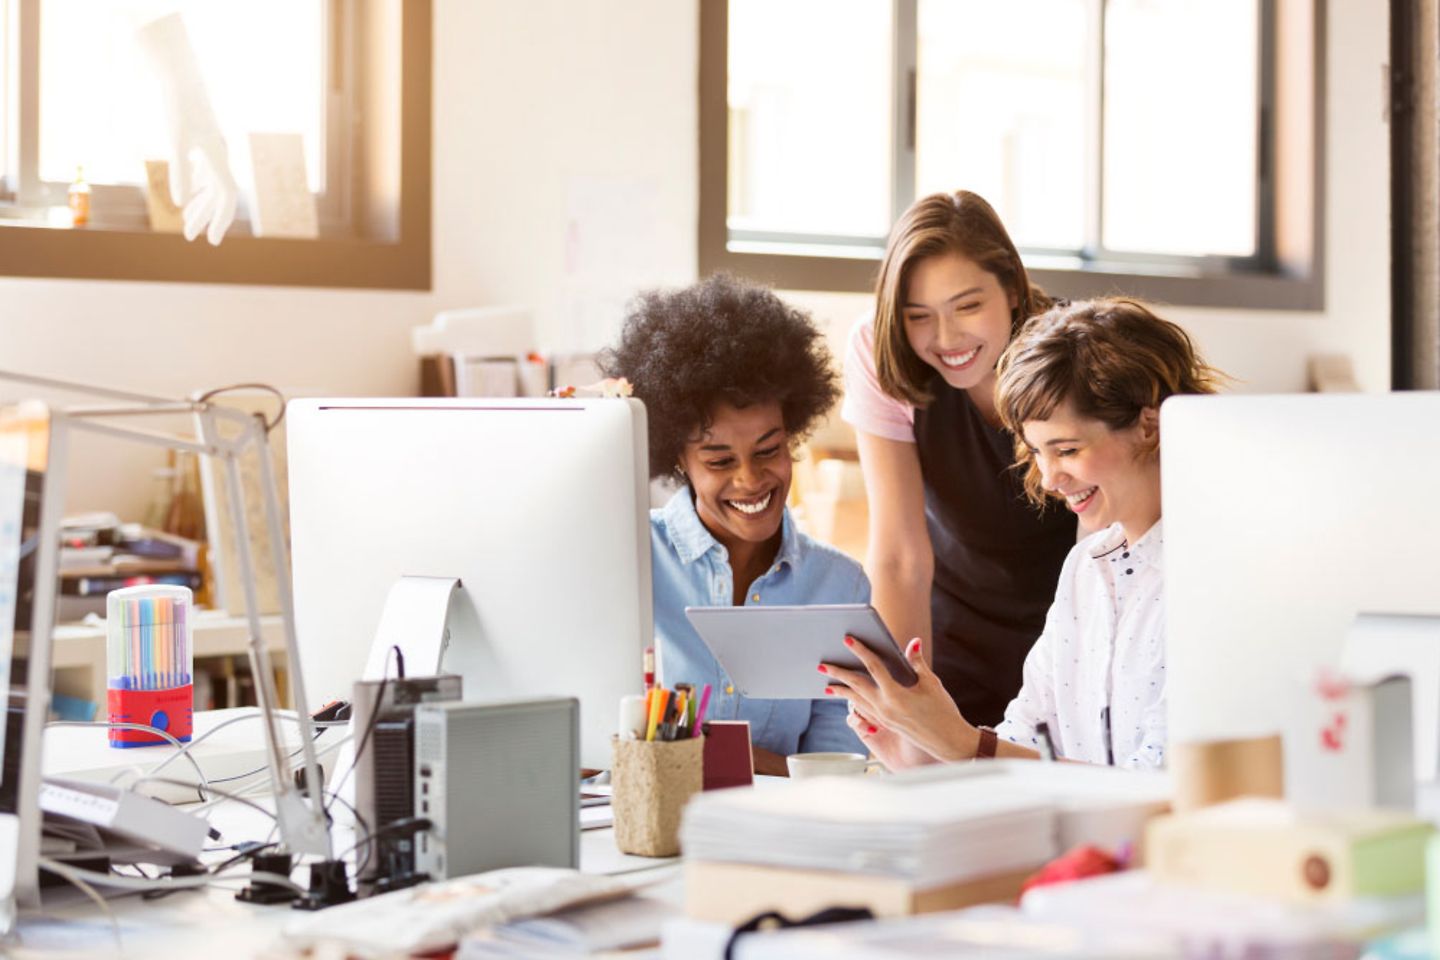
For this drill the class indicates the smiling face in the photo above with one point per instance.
(739, 469)
(1103, 475)
(957, 319)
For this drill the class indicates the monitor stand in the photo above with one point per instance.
(414, 619)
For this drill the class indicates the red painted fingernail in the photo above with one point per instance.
(874, 729)
(830, 690)
(821, 668)
(849, 641)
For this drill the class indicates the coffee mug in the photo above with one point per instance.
(803, 765)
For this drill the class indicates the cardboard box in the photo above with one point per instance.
(1267, 848)
(732, 893)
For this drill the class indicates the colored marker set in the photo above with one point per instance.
(150, 660)
(677, 715)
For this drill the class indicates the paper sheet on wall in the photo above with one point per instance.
(229, 592)
(612, 250)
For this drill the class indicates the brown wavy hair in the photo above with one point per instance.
(960, 222)
(1111, 358)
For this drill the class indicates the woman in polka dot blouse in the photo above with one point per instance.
(1080, 387)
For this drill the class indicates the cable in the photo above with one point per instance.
(151, 776)
(260, 786)
(413, 824)
(242, 855)
(204, 785)
(269, 424)
(223, 794)
(186, 748)
(374, 719)
(250, 773)
(76, 878)
(161, 883)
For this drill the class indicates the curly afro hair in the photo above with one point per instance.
(721, 340)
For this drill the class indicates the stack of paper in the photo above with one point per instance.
(935, 825)
(582, 931)
(928, 831)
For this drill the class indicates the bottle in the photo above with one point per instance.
(79, 199)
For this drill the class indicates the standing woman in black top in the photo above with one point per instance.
(957, 556)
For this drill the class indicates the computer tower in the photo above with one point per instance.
(385, 773)
(500, 783)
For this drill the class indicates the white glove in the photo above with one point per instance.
(200, 178)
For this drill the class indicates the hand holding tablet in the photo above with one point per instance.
(772, 652)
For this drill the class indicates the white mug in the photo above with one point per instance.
(803, 765)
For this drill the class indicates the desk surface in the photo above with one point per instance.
(195, 924)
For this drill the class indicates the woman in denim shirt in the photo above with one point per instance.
(732, 380)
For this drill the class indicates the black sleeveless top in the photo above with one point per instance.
(997, 559)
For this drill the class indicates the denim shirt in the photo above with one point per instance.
(690, 568)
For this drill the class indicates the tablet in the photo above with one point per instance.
(771, 652)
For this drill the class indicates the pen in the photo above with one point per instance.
(700, 711)
(682, 696)
(1109, 740)
(667, 722)
(657, 710)
(649, 669)
(1047, 745)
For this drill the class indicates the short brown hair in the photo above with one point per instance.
(960, 222)
(1110, 358)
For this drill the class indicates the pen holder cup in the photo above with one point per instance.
(149, 666)
(651, 781)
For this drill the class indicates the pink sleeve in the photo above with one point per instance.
(867, 407)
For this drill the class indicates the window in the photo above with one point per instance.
(1127, 144)
(351, 77)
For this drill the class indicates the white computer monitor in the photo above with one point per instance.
(27, 607)
(1285, 517)
(539, 507)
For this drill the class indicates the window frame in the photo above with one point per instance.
(1285, 272)
(358, 245)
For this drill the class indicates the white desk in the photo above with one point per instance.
(210, 924)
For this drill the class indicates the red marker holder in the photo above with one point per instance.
(171, 710)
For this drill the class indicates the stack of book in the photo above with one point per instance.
(933, 839)
(99, 554)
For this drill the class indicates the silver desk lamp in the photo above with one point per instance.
(302, 819)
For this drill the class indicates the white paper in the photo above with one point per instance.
(284, 205)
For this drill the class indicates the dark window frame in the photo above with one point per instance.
(1286, 272)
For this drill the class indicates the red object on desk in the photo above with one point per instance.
(727, 758)
(1077, 864)
(171, 710)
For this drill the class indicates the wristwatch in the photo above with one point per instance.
(985, 749)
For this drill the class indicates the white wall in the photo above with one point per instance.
(565, 177)
(1266, 351)
(529, 99)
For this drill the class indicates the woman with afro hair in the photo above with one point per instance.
(732, 380)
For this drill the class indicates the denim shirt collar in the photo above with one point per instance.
(693, 540)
